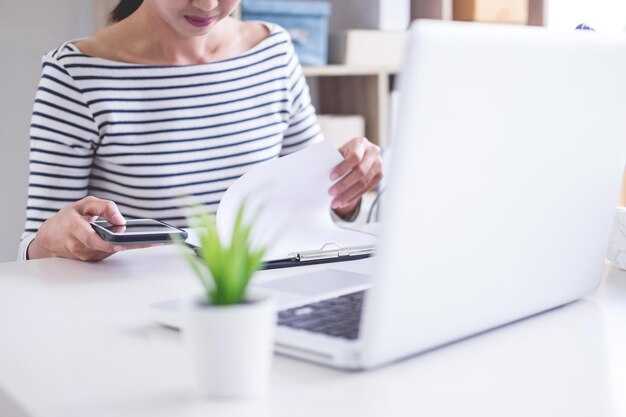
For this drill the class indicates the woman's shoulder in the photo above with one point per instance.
(96, 45)
(258, 30)
(89, 46)
(246, 36)
(104, 44)
(250, 35)
(58, 57)
(254, 34)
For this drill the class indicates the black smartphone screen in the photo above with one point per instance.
(137, 231)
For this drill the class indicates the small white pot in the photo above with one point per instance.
(230, 348)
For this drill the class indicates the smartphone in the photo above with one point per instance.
(138, 231)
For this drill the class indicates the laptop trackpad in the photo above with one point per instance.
(326, 283)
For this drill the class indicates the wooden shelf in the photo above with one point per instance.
(338, 70)
(443, 9)
(350, 89)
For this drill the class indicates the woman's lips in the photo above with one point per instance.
(199, 22)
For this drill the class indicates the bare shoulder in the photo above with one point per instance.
(89, 46)
(251, 33)
(102, 44)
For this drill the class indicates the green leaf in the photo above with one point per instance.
(229, 268)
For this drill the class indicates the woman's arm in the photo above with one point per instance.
(63, 138)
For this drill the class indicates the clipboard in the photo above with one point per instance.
(328, 253)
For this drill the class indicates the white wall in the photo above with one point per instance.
(28, 29)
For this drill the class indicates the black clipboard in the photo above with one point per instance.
(324, 255)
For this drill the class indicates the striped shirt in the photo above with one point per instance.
(144, 136)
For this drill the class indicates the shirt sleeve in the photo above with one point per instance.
(63, 138)
(303, 129)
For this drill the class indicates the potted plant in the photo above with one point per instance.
(228, 332)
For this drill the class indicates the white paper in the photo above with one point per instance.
(289, 197)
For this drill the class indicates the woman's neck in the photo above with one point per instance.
(144, 38)
(160, 42)
(150, 39)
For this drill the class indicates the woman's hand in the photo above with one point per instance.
(68, 233)
(361, 169)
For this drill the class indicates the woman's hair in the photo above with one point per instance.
(124, 9)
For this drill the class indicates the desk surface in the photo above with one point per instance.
(76, 339)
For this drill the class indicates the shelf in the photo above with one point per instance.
(354, 90)
(339, 70)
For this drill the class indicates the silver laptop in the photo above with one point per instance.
(509, 150)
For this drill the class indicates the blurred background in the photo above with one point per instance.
(351, 51)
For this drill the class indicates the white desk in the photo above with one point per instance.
(76, 340)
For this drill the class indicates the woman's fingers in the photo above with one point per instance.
(77, 249)
(356, 191)
(363, 175)
(358, 178)
(352, 152)
(68, 233)
(92, 206)
(90, 240)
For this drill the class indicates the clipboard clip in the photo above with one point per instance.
(329, 252)
(332, 250)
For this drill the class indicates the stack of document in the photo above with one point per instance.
(289, 202)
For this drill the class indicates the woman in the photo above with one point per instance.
(175, 98)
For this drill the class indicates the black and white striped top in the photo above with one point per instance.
(144, 136)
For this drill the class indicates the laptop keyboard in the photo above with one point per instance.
(337, 317)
